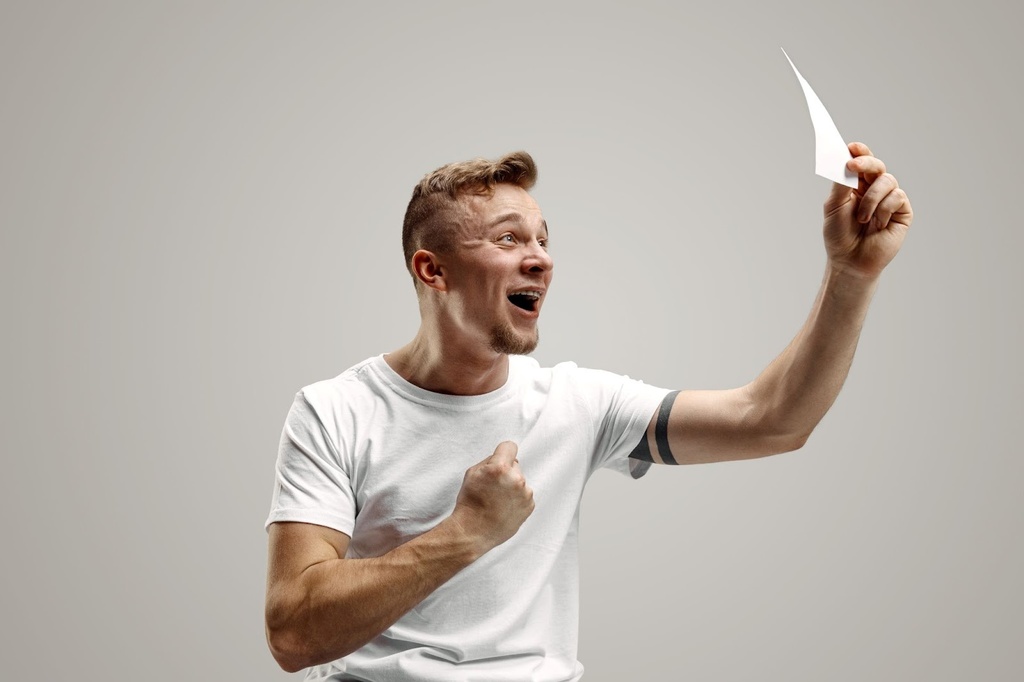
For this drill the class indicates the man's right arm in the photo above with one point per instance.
(322, 606)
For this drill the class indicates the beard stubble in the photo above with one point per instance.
(505, 339)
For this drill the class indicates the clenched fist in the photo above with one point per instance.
(865, 227)
(494, 500)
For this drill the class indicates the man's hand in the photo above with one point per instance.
(864, 228)
(494, 500)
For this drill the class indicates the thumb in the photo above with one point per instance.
(837, 197)
(505, 453)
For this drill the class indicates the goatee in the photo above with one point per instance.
(506, 340)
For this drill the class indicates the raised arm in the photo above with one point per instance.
(776, 412)
(322, 606)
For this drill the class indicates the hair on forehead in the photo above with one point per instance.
(436, 211)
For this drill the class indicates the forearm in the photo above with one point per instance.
(796, 390)
(338, 605)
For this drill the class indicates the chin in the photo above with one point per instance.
(506, 340)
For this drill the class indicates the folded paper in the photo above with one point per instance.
(830, 151)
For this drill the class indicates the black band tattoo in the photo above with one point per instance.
(642, 451)
(661, 429)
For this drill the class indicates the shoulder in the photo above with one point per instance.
(358, 377)
(585, 377)
(587, 385)
(350, 388)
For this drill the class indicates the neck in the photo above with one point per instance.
(443, 365)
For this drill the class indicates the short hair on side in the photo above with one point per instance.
(435, 211)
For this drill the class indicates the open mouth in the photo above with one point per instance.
(527, 300)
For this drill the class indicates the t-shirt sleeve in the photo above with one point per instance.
(626, 407)
(311, 484)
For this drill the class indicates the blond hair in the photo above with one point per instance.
(435, 210)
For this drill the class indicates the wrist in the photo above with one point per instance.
(849, 277)
(466, 544)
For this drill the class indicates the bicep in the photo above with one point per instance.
(694, 427)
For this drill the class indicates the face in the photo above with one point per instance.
(500, 272)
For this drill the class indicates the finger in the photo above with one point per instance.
(874, 195)
(859, 149)
(889, 207)
(866, 165)
(904, 215)
(505, 453)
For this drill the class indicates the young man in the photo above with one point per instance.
(400, 549)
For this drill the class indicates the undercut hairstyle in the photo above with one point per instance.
(436, 210)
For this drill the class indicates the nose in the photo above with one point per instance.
(538, 259)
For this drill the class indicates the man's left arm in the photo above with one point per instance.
(864, 229)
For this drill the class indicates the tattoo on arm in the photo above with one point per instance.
(642, 451)
(661, 428)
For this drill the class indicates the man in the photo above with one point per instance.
(397, 553)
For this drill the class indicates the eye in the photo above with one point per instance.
(507, 238)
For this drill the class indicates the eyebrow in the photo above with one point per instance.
(515, 216)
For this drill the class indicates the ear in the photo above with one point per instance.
(428, 269)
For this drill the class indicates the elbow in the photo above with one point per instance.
(287, 649)
(777, 444)
(779, 435)
(788, 438)
(293, 652)
(296, 647)
(287, 664)
(771, 429)
(287, 645)
(775, 438)
(776, 441)
(797, 441)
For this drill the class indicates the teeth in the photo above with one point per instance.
(531, 294)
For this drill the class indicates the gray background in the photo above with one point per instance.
(200, 209)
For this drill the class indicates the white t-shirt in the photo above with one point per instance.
(381, 460)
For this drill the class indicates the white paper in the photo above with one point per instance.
(830, 151)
